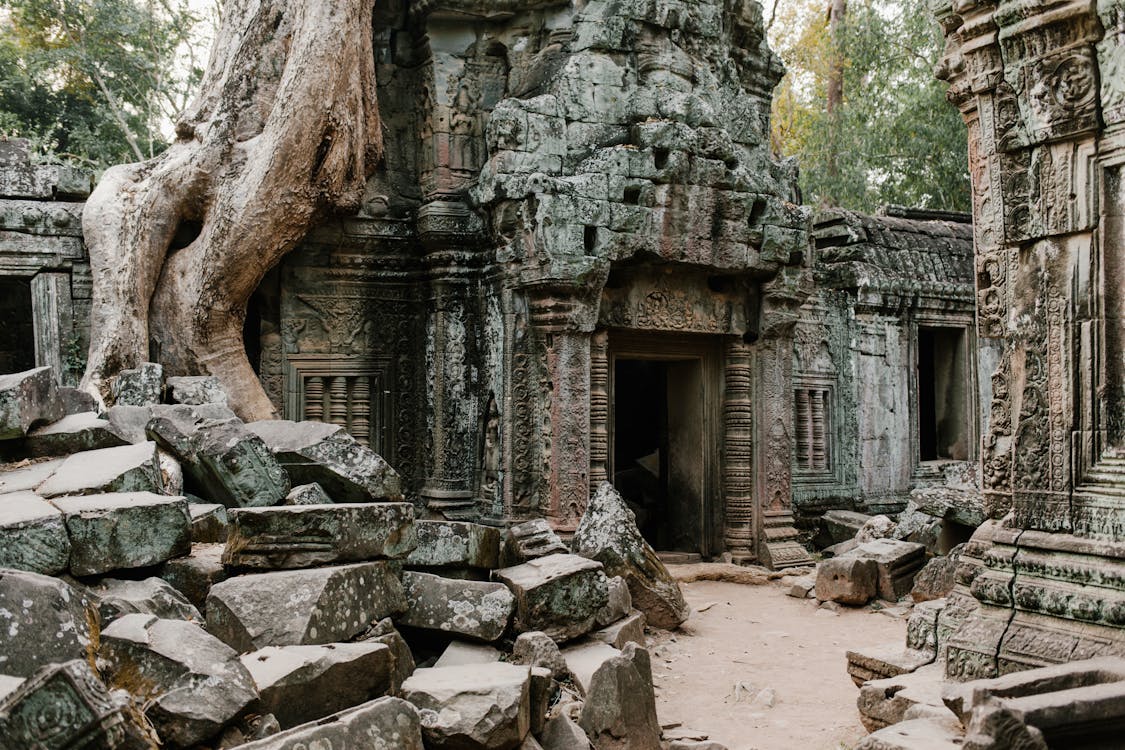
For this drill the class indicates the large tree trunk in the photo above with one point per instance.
(285, 131)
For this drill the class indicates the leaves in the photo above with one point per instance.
(895, 139)
(95, 80)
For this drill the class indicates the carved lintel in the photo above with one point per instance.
(449, 224)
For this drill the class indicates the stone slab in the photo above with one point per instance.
(846, 579)
(478, 610)
(29, 476)
(455, 544)
(896, 563)
(301, 607)
(916, 734)
(42, 620)
(27, 399)
(389, 723)
(32, 534)
(629, 629)
(460, 653)
(194, 574)
(301, 536)
(195, 390)
(73, 433)
(473, 707)
(559, 594)
(209, 523)
(124, 530)
(117, 597)
(129, 468)
(140, 386)
(529, 540)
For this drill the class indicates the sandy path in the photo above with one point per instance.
(761, 638)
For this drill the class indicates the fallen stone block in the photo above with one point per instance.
(298, 684)
(27, 399)
(559, 595)
(76, 401)
(915, 734)
(196, 389)
(27, 478)
(876, 527)
(896, 563)
(885, 702)
(191, 683)
(302, 607)
(130, 421)
(474, 707)
(528, 541)
(63, 705)
(325, 454)
(116, 597)
(935, 580)
(227, 462)
(841, 525)
(608, 533)
(307, 494)
(129, 468)
(209, 523)
(71, 434)
(630, 629)
(42, 620)
(194, 574)
(301, 536)
(403, 660)
(141, 386)
(881, 662)
(620, 707)
(619, 604)
(388, 723)
(561, 732)
(455, 544)
(460, 653)
(962, 505)
(539, 650)
(922, 528)
(474, 609)
(542, 690)
(584, 659)
(847, 579)
(801, 587)
(124, 530)
(32, 534)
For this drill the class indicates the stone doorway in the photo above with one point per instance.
(17, 333)
(663, 441)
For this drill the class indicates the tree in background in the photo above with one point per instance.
(861, 109)
(97, 81)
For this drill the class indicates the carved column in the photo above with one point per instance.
(738, 451)
(599, 408)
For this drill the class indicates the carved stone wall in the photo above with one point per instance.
(1040, 87)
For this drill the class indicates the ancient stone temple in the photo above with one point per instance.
(577, 263)
(885, 369)
(1041, 87)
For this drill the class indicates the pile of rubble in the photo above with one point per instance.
(172, 576)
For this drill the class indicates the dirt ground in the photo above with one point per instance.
(744, 641)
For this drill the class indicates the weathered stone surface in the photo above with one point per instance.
(193, 575)
(304, 683)
(846, 579)
(28, 477)
(124, 530)
(585, 658)
(896, 563)
(889, 660)
(138, 387)
(620, 708)
(630, 629)
(608, 533)
(197, 389)
(885, 702)
(130, 421)
(915, 734)
(8, 685)
(529, 540)
(27, 399)
(455, 544)
(474, 707)
(325, 454)
(32, 534)
(300, 536)
(72, 434)
(63, 705)
(473, 609)
(209, 522)
(620, 602)
(307, 494)
(403, 660)
(42, 620)
(841, 525)
(962, 505)
(916, 526)
(77, 401)
(563, 733)
(225, 460)
(876, 527)
(388, 723)
(460, 653)
(129, 468)
(115, 598)
(300, 607)
(537, 649)
(191, 682)
(936, 578)
(558, 594)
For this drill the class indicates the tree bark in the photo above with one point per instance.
(284, 132)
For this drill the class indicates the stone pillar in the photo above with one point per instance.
(599, 408)
(52, 316)
(738, 451)
(779, 544)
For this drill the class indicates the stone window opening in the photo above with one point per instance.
(812, 421)
(17, 333)
(943, 392)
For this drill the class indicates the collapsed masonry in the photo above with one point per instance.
(300, 603)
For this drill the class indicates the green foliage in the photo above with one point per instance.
(95, 81)
(895, 139)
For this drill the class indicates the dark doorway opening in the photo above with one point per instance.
(658, 448)
(17, 328)
(943, 431)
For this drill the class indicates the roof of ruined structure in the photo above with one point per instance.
(899, 251)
